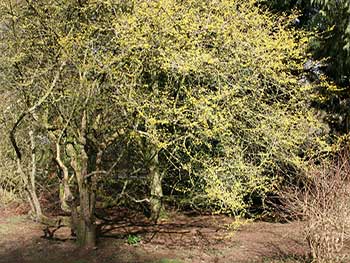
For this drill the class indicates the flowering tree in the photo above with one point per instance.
(209, 92)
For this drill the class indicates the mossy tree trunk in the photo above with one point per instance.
(156, 189)
(65, 193)
(83, 213)
(31, 185)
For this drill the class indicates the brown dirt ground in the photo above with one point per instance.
(179, 238)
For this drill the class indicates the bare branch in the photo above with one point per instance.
(31, 111)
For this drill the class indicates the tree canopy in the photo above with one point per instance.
(208, 94)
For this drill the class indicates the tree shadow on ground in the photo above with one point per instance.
(202, 238)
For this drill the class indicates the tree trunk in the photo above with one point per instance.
(156, 204)
(64, 197)
(83, 218)
(83, 215)
(29, 181)
(65, 192)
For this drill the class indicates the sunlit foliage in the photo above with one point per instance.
(213, 86)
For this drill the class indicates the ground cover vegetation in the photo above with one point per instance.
(207, 106)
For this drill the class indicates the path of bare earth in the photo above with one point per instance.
(179, 238)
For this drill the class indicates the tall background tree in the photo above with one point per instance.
(328, 21)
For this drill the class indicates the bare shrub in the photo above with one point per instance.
(323, 202)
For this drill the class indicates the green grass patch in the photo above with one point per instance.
(133, 240)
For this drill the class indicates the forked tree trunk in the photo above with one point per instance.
(65, 193)
(29, 178)
(83, 215)
(29, 181)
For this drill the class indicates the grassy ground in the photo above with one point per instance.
(129, 238)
